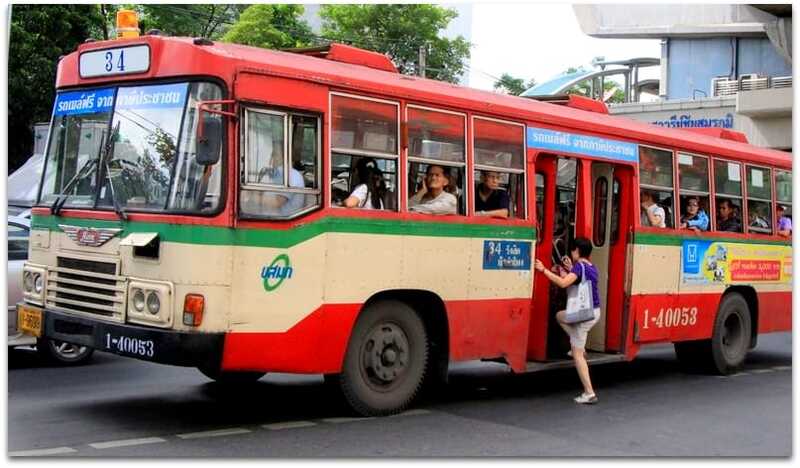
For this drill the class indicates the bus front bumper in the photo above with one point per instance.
(148, 344)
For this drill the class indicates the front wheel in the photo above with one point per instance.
(61, 352)
(386, 359)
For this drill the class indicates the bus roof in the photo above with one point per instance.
(174, 56)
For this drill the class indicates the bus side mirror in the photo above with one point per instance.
(209, 140)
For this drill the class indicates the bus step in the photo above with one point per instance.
(591, 358)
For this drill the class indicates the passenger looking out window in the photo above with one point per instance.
(784, 222)
(758, 218)
(433, 197)
(652, 214)
(490, 199)
(371, 189)
(695, 218)
(728, 218)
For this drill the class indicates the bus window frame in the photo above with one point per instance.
(675, 189)
(689, 192)
(746, 221)
(506, 170)
(429, 161)
(271, 188)
(742, 198)
(364, 153)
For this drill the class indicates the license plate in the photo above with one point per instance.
(29, 320)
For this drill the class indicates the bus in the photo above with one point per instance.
(206, 227)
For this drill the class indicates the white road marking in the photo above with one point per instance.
(782, 368)
(126, 442)
(413, 412)
(738, 374)
(288, 425)
(42, 452)
(342, 420)
(215, 433)
(762, 371)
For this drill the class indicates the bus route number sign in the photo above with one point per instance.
(506, 255)
(117, 61)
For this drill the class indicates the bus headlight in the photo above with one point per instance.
(27, 281)
(153, 302)
(138, 300)
(38, 283)
(34, 281)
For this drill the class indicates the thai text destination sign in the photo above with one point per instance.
(541, 138)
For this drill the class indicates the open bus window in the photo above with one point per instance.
(454, 186)
(695, 200)
(759, 200)
(728, 187)
(370, 181)
(656, 181)
(281, 161)
(783, 192)
(500, 155)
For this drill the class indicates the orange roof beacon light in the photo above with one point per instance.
(127, 24)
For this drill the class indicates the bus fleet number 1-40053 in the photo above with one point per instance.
(670, 317)
(126, 344)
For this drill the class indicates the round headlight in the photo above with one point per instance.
(27, 281)
(38, 283)
(153, 303)
(138, 300)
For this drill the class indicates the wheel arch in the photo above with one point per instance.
(750, 296)
(432, 310)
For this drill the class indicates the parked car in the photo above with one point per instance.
(54, 351)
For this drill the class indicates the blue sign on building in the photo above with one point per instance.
(552, 140)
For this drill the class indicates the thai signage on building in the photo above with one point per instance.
(688, 120)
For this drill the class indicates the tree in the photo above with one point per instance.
(400, 31)
(271, 26)
(206, 20)
(39, 35)
(514, 86)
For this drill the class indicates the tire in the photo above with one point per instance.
(231, 377)
(731, 339)
(386, 359)
(63, 353)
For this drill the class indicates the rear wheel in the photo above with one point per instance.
(61, 352)
(386, 359)
(230, 377)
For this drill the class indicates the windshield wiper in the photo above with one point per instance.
(62, 198)
(109, 147)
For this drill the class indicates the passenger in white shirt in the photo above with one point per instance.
(432, 198)
(653, 214)
(370, 191)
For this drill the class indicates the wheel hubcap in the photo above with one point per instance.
(385, 355)
(68, 350)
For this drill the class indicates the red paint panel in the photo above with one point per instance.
(275, 91)
(774, 312)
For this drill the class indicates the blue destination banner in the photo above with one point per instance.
(84, 102)
(152, 97)
(506, 255)
(541, 138)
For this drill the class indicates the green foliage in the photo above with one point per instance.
(514, 86)
(271, 26)
(400, 31)
(39, 35)
(207, 20)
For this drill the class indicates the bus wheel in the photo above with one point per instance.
(731, 337)
(386, 359)
(230, 377)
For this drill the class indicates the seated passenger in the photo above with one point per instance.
(728, 219)
(491, 200)
(757, 221)
(784, 222)
(695, 218)
(432, 198)
(370, 191)
(652, 214)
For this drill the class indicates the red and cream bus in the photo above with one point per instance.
(205, 226)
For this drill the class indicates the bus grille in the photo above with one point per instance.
(86, 287)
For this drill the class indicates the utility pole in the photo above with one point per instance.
(423, 50)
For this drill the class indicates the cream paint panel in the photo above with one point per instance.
(183, 264)
(438, 264)
(358, 266)
(255, 309)
(656, 269)
(494, 284)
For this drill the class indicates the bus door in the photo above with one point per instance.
(609, 192)
(556, 191)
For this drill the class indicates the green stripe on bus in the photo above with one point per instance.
(213, 235)
(649, 238)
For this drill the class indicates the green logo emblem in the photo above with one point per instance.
(277, 271)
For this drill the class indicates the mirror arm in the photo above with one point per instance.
(202, 106)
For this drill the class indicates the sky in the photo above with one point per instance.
(538, 40)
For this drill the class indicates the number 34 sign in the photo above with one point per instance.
(116, 61)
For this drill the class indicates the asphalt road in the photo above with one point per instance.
(119, 407)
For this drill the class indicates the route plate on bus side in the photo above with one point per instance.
(29, 320)
(116, 61)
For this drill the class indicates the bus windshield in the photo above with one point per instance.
(131, 147)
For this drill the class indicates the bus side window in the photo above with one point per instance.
(499, 149)
(728, 196)
(695, 202)
(783, 194)
(759, 200)
(281, 154)
(656, 181)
